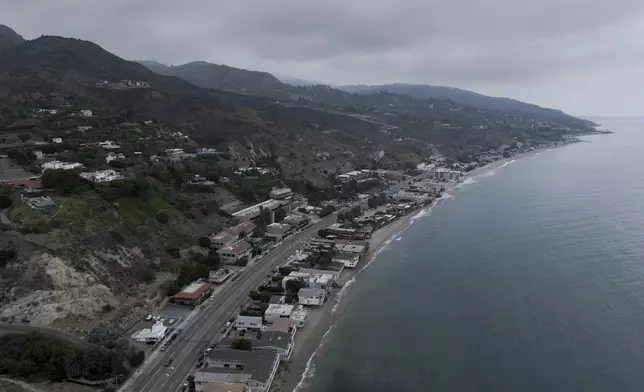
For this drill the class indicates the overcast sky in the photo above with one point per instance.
(583, 56)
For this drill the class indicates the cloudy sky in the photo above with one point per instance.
(583, 56)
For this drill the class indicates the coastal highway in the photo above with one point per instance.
(207, 324)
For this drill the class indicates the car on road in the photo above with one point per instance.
(202, 307)
(171, 321)
(208, 351)
(168, 363)
(186, 384)
(148, 317)
(164, 347)
(228, 324)
(211, 298)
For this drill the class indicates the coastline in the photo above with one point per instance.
(294, 375)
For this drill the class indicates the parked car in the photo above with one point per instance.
(186, 383)
(171, 321)
(208, 351)
(148, 317)
(202, 307)
(228, 324)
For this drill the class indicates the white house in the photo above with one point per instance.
(298, 316)
(311, 297)
(151, 335)
(277, 311)
(232, 234)
(55, 165)
(114, 157)
(83, 128)
(235, 252)
(248, 322)
(108, 144)
(86, 113)
(57, 140)
(102, 175)
(349, 259)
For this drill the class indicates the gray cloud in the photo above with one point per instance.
(533, 50)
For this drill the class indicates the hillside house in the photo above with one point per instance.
(234, 252)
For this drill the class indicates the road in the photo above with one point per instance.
(207, 325)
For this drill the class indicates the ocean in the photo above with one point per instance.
(527, 277)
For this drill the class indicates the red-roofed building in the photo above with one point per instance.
(26, 183)
(192, 294)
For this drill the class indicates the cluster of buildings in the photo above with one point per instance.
(253, 171)
(123, 84)
(354, 175)
(232, 244)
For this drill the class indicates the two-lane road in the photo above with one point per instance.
(207, 325)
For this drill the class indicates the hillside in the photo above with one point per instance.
(8, 37)
(463, 97)
(106, 248)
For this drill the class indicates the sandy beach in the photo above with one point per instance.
(296, 372)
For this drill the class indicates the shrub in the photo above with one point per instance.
(204, 242)
(162, 217)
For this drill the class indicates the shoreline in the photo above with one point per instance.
(300, 367)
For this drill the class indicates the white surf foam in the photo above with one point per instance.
(507, 163)
(309, 371)
(399, 238)
(490, 173)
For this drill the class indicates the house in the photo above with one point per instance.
(108, 144)
(277, 231)
(58, 165)
(276, 341)
(311, 297)
(83, 128)
(296, 221)
(39, 203)
(280, 193)
(298, 317)
(275, 312)
(102, 175)
(151, 335)
(349, 259)
(248, 322)
(86, 113)
(193, 294)
(232, 234)
(234, 252)
(114, 157)
(254, 369)
(57, 140)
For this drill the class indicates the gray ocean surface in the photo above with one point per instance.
(530, 279)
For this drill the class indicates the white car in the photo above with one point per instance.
(148, 317)
(161, 320)
(211, 298)
(186, 383)
(228, 324)
(171, 321)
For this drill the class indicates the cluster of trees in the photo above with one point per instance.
(64, 182)
(40, 357)
(349, 215)
(188, 273)
(377, 200)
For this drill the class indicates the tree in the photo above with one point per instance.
(242, 344)
(247, 195)
(280, 214)
(162, 217)
(75, 366)
(204, 242)
(64, 182)
(136, 357)
(5, 201)
(24, 137)
(213, 260)
(294, 285)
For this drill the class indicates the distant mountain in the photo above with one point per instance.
(154, 66)
(223, 77)
(463, 97)
(8, 37)
(295, 81)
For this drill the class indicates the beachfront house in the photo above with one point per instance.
(311, 297)
(248, 322)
